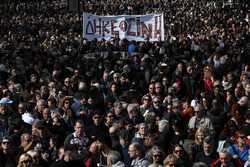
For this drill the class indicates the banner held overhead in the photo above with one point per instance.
(131, 27)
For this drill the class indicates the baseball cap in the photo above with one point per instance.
(6, 100)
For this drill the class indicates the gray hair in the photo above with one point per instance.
(198, 107)
(200, 164)
(132, 106)
(142, 125)
(162, 125)
(209, 140)
(225, 151)
(152, 151)
(155, 165)
(41, 101)
(32, 153)
(117, 103)
(114, 157)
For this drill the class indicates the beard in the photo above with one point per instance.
(208, 153)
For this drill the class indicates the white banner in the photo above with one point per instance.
(131, 27)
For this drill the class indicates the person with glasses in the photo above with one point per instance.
(155, 156)
(146, 104)
(170, 161)
(67, 87)
(116, 77)
(157, 107)
(38, 160)
(97, 126)
(69, 115)
(133, 113)
(136, 153)
(25, 160)
(7, 154)
(182, 156)
(200, 120)
(239, 150)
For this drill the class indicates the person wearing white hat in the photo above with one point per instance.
(3, 120)
(5, 101)
(4, 114)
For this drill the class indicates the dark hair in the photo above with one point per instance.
(5, 138)
(138, 147)
(52, 100)
(80, 122)
(84, 96)
(104, 139)
(178, 145)
(209, 140)
(238, 134)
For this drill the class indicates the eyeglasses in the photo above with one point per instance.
(242, 136)
(79, 127)
(157, 155)
(200, 135)
(178, 151)
(6, 142)
(26, 161)
(36, 157)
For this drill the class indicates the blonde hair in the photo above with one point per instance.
(170, 158)
(22, 158)
(198, 131)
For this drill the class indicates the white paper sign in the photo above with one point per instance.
(131, 27)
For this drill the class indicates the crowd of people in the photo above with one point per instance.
(67, 101)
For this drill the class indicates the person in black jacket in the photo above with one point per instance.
(97, 128)
(7, 157)
(208, 155)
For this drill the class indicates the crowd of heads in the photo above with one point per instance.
(68, 101)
